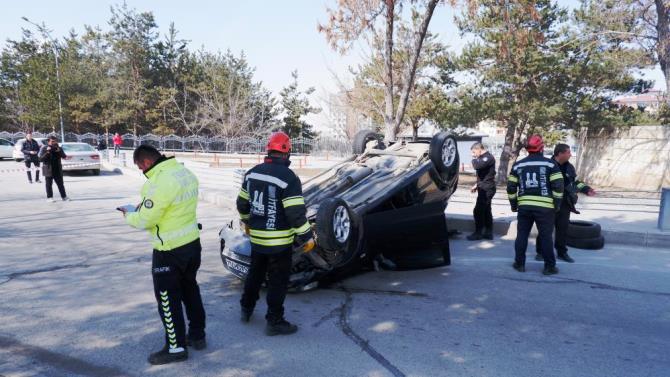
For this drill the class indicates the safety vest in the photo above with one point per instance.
(168, 208)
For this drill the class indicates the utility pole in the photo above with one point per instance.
(46, 34)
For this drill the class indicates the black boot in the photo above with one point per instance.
(197, 344)
(280, 327)
(245, 314)
(37, 176)
(539, 257)
(565, 257)
(519, 267)
(165, 357)
(487, 234)
(475, 236)
(553, 270)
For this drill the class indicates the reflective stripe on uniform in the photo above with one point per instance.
(304, 228)
(511, 196)
(271, 233)
(174, 234)
(293, 201)
(244, 216)
(271, 241)
(534, 163)
(580, 185)
(555, 176)
(557, 194)
(512, 178)
(536, 198)
(268, 178)
(244, 194)
(535, 204)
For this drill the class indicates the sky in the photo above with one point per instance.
(276, 36)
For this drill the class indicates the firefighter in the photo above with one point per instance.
(485, 166)
(168, 213)
(572, 186)
(272, 209)
(535, 191)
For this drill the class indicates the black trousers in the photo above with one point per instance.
(174, 274)
(49, 185)
(561, 222)
(277, 268)
(36, 163)
(482, 212)
(117, 148)
(544, 219)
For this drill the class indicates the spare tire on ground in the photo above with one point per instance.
(595, 243)
(579, 229)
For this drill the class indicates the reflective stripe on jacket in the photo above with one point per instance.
(168, 208)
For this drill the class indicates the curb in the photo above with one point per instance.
(506, 228)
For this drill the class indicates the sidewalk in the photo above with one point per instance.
(631, 221)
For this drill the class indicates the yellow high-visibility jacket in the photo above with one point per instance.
(168, 208)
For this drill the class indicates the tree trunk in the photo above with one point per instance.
(663, 31)
(507, 154)
(408, 79)
(389, 127)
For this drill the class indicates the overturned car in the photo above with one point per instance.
(388, 200)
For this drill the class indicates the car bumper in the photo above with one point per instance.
(237, 264)
(81, 166)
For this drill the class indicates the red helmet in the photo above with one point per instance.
(279, 142)
(535, 144)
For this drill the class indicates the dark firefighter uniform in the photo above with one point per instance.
(271, 204)
(168, 213)
(486, 189)
(535, 190)
(571, 187)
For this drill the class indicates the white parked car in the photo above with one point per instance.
(17, 155)
(81, 156)
(6, 148)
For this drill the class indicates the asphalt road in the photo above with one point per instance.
(76, 300)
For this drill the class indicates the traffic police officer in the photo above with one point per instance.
(572, 186)
(272, 208)
(168, 213)
(535, 190)
(485, 166)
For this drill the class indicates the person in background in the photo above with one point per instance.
(485, 165)
(117, 141)
(30, 150)
(51, 155)
(572, 186)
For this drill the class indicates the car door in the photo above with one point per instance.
(6, 148)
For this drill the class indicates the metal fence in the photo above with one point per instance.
(176, 143)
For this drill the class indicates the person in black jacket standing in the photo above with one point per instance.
(30, 149)
(485, 165)
(272, 208)
(50, 155)
(572, 186)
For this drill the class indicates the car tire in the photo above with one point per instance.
(334, 224)
(443, 152)
(595, 243)
(18, 159)
(362, 138)
(579, 229)
(96, 171)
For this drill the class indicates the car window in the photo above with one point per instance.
(5, 142)
(77, 148)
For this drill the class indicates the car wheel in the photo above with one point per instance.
(362, 138)
(443, 152)
(96, 171)
(583, 229)
(334, 224)
(18, 159)
(595, 243)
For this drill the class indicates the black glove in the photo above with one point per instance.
(515, 208)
